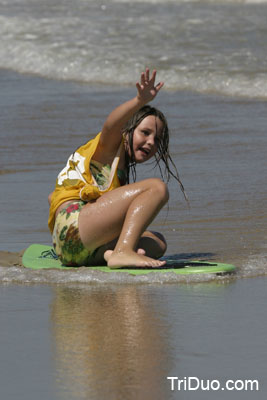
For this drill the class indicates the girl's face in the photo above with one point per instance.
(146, 137)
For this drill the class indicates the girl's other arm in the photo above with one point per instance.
(50, 198)
(112, 129)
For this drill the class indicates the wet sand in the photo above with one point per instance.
(9, 258)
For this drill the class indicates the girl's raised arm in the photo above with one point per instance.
(146, 91)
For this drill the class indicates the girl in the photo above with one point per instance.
(94, 215)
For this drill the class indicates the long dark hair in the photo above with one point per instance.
(162, 153)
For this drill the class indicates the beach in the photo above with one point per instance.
(82, 334)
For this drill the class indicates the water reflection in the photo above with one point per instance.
(109, 343)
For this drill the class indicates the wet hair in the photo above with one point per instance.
(162, 154)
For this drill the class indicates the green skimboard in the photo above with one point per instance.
(38, 256)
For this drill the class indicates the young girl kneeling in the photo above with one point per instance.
(96, 215)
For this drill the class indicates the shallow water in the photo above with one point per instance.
(122, 342)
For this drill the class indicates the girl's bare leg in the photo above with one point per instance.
(123, 213)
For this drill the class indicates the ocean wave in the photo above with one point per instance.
(28, 59)
(203, 49)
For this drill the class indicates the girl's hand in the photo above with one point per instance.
(147, 90)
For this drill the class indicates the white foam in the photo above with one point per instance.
(254, 266)
(74, 45)
(85, 276)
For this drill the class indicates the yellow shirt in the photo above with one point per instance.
(76, 181)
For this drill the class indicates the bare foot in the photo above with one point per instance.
(131, 259)
(108, 253)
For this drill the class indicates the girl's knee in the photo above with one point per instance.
(153, 243)
(161, 242)
(160, 188)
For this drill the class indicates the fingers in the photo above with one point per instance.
(138, 86)
(146, 88)
(145, 80)
(153, 78)
(145, 77)
(159, 86)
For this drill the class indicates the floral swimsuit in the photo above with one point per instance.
(66, 237)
